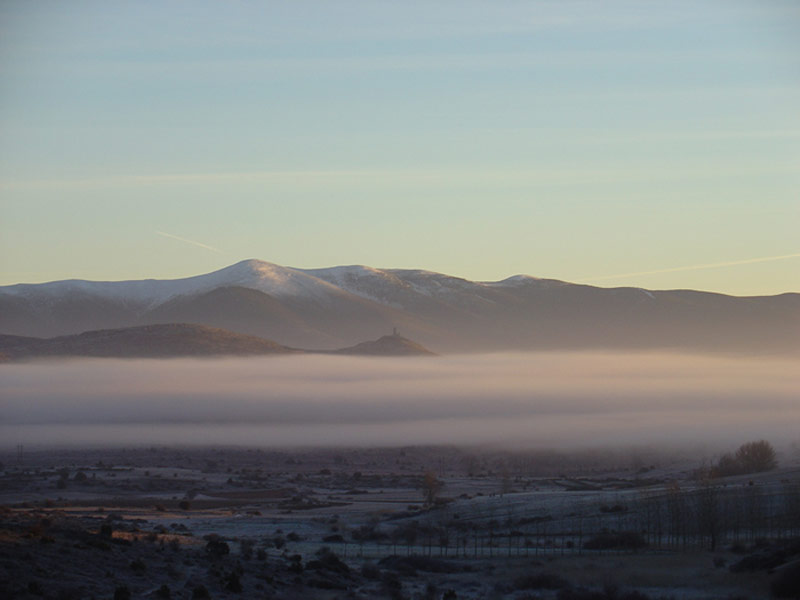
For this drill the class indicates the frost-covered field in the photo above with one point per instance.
(502, 523)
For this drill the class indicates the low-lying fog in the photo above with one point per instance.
(538, 400)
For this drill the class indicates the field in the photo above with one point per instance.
(414, 522)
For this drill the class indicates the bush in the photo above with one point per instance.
(622, 540)
(233, 583)
(138, 566)
(370, 571)
(756, 456)
(216, 547)
(431, 591)
(752, 457)
(409, 565)
(122, 593)
(616, 508)
(328, 561)
(610, 592)
(787, 583)
(540, 581)
(164, 592)
(295, 564)
(246, 548)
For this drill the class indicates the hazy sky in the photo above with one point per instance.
(586, 141)
(537, 400)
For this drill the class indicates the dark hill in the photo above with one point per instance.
(148, 341)
(179, 339)
(388, 345)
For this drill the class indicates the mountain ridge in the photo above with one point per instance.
(336, 307)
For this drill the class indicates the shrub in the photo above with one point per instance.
(431, 591)
(246, 548)
(409, 565)
(328, 561)
(752, 457)
(787, 583)
(216, 547)
(138, 566)
(621, 540)
(610, 592)
(370, 571)
(233, 583)
(295, 564)
(122, 593)
(540, 581)
(756, 456)
(35, 589)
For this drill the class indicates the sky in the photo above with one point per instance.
(649, 144)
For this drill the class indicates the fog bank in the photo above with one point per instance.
(562, 400)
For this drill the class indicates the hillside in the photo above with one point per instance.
(149, 341)
(180, 339)
(387, 345)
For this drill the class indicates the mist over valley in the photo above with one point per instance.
(557, 400)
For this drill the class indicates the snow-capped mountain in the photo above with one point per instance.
(384, 286)
(253, 274)
(337, 306)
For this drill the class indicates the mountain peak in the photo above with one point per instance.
(251, 267)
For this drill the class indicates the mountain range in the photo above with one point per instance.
(335, 307)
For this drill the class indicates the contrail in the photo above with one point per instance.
(180, 239)
(747, 261)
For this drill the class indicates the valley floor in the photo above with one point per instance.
(413, 522)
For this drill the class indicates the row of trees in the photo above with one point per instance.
(703, 515)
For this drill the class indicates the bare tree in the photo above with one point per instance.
(755, 457)
(431, 486)
(708, 512)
